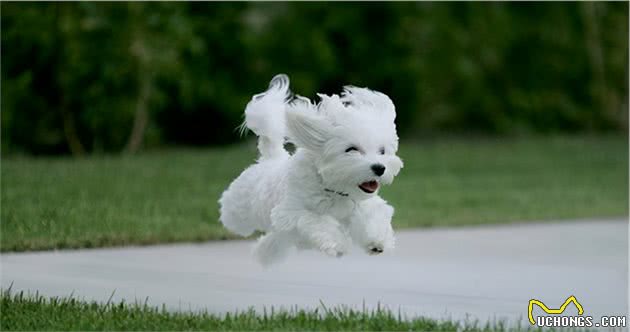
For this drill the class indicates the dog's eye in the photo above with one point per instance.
(352, 148)
(381, 151)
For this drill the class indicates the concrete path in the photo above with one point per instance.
(483, 273)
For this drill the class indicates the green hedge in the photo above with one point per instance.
(90, 77)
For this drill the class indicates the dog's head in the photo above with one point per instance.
(353, 138)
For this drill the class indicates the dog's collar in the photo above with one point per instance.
(336, 192)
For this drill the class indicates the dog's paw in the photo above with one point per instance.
(374, 249)
(333, 249)
(381, 241)
(333, 253)
(384, 242)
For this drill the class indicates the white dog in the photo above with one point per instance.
(325, 195)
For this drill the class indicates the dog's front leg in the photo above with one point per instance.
(314, 231)
(370, 226)
(310, 230)
(324, 233)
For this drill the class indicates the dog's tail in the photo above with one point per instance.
(265, 116)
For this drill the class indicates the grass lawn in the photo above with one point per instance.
(30, 313)
(171, 195)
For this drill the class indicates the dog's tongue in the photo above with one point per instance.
(369, 186)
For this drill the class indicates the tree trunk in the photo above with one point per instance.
(140, 50)
(70, 132)
(141, 116)
(67, 119)
(605, 99)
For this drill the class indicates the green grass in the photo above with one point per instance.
(30, 313)
(171, 195)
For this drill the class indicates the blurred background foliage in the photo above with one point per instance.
(91, 77)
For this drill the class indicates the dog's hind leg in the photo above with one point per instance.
(236, 204)
(273, 247)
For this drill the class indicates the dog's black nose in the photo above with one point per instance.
(378, 169)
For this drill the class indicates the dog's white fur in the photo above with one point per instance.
(311, 199)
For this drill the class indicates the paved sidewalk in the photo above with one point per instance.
(485, 273)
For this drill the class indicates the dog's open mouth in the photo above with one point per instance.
(369, 186)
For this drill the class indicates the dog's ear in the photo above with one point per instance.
(307, 130)
(371, 100)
